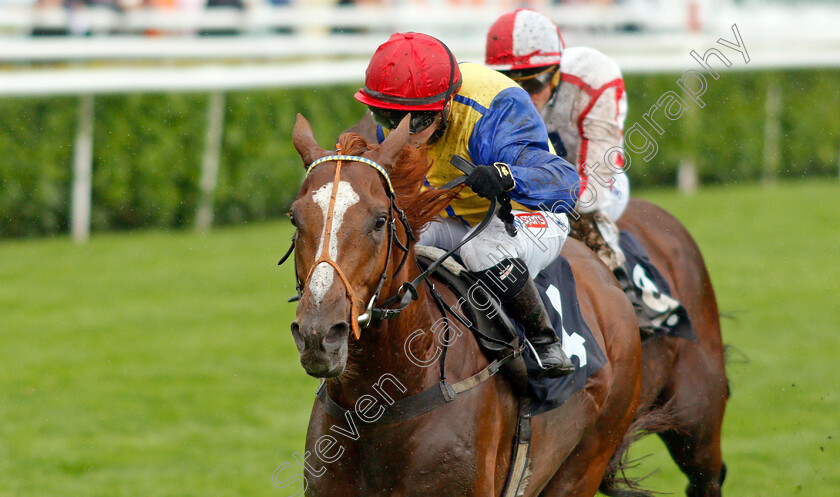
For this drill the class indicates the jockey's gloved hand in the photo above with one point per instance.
(490, 181)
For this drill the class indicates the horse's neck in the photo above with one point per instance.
(381, 350)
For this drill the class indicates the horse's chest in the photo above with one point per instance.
(416, 463)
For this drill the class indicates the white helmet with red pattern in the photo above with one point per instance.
(523, 39)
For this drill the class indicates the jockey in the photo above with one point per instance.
(580, 94)
(479, 114)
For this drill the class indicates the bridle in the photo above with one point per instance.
(364, 319)
(408, 290)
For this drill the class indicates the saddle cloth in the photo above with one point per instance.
(556, 284)
(557, 289)
(657, 311)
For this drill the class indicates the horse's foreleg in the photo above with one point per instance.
(695, 448)
(583, 471)
(697, 407)
(581, 475)
(700, 460)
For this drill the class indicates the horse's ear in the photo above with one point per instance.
(305, 143)
(394, 143)
(423, 136)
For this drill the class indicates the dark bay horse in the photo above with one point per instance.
(683, 380)
(463, 448)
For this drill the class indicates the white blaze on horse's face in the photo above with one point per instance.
(346, 197)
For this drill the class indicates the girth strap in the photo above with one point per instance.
(423, 402)
(517, 481)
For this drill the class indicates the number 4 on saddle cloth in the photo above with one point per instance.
(496, 333)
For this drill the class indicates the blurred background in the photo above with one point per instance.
(144, 353)
(173, 113)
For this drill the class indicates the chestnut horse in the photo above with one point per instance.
(683, 381)
(463, 448)
(684, 385)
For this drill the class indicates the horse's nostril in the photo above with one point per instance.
(299, 343)
(337, 333)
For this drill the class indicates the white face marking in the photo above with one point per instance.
(322, 275)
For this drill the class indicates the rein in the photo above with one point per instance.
(408, 290)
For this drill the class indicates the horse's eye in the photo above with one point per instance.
(380, 223)
(292, 218)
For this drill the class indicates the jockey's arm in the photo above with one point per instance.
(598, 160)
(511, 131)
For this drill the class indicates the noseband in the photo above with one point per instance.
(364, 319)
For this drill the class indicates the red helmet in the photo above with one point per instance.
(411, 72)
(523, 39)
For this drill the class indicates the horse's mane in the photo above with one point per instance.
(407, 174)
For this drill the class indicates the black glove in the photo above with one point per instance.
(490, 181)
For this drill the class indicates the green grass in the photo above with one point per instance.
(160, 363)
(148, 364)
(774, 257)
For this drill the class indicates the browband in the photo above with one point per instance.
(355, 158)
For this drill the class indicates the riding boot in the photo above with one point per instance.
(528, 309)
(518, 293)
(598, 232)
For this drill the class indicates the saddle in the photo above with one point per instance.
(481, 313)
(498, 335)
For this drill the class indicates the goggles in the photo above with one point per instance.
(390, 118)
(530, 81)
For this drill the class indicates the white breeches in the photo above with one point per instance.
(539, 238)
(619, 196)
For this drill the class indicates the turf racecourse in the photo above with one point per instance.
(160, 364)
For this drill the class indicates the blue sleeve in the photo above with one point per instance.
(512, 131)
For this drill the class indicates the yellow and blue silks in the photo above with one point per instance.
(492, 119)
